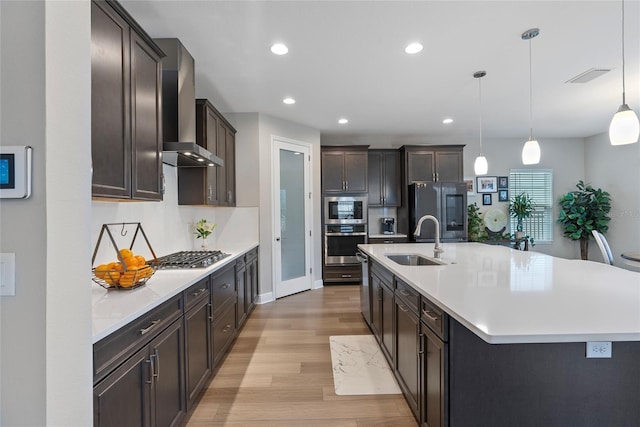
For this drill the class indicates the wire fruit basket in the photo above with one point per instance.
(128, 271)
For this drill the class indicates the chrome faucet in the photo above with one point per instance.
(437, 250)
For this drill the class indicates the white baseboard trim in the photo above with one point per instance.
(317, 284)
(265, 298)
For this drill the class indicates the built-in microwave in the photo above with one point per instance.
(345, 210)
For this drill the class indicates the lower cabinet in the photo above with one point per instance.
(407, 358)
(243, 295)
(152, 371)
(382, 309)
(147, 390)
(433, 359)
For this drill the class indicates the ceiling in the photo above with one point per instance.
(346, 59)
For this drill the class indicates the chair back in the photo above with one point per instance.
(607, 256)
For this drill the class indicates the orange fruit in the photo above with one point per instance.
(101, 271)
(126, 253)
(130, 262)
(141, 260)
(112, 277)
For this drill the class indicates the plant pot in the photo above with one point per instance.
(519, 234)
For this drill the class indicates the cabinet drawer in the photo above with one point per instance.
(195, 293)
(385, 275)
(408, 295)
(387, 240)
(114, 349)
(435, 318)
(223, 287)
(347, 273)
(224, 329)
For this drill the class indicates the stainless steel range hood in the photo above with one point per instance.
(179, 109)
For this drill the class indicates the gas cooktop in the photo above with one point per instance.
(189, 259)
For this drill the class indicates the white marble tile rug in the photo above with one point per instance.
(359, 367)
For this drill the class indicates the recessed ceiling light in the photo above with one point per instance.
(343, 121)
(279, 49)
(289, 101)
(200, 159)
(413, 48)
(447, 121)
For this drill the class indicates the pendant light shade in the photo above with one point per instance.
(624, 127)
(531, 152)
(531, 149)
(480, 166)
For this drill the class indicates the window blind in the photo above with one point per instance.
(538, 184)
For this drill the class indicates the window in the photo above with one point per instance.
(537, 183)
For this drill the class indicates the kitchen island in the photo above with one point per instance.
(510, 336)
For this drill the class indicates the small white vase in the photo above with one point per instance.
(205, 245)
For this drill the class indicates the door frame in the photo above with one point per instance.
(275, 200)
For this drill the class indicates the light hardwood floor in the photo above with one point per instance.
(279, 373)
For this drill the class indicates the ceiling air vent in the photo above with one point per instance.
(588, 75)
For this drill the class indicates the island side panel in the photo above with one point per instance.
(540, 384)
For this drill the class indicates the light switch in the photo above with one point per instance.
(8, 274)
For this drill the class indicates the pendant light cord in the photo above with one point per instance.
(480, 102)
(531, 95)
(623, 87)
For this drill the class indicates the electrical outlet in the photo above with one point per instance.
(598, 349)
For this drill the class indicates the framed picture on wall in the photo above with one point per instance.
(487, 184)
(486, 199)
(503, 195)
(503, 182)
(470, 186)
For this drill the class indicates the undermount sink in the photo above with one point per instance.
(413, 259)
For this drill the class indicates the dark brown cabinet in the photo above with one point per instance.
(148, 389)
(382, 309)
(126, 134)
(384, 177)
(344, 169)
(407, 353)
(433, 379)
(199, 363)
(252, 279)
(214, 186)
(241, 283)
(432, 163)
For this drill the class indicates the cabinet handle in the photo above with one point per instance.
(347, 276)
(227, 328)
(433, 174)
(380, 294)
(198, 292)
(404, 293)
(346, 185)
(210, 193)
(403, 307)
(157, 373)
(387, 241)
(437, 176)
(148, 328)
(430, 316)
(210, 312)
(225, 286)
(420, 343)
(151, 369)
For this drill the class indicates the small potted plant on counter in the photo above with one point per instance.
(203, 229)
(582, 211)
(521, 207)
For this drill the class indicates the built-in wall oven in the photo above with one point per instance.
(345, 210)
(341, 243)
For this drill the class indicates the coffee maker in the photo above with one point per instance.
(387, 225)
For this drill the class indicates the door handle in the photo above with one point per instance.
(277, 239)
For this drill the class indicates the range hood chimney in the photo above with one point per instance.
(179, 109)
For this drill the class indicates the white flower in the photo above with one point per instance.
(204, 229)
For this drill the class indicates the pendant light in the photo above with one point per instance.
(624, 127)
(531, 149)
(480, 167)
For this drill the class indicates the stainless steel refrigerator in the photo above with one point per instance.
(447, 201)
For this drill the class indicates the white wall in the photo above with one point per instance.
(169, 226)
(616, 170)
(45, 343)
(565, 156)
(247, 162)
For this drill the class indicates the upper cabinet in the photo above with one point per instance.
(432, 163)
(384, 178)
(214, 186)
(126, 115)
(344, 169)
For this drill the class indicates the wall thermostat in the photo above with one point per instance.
(15, 171)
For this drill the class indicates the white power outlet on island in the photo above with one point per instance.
(598, 349)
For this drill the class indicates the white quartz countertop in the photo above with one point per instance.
(112, 309)
(509, 296)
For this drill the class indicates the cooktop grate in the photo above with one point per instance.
(189, 259)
